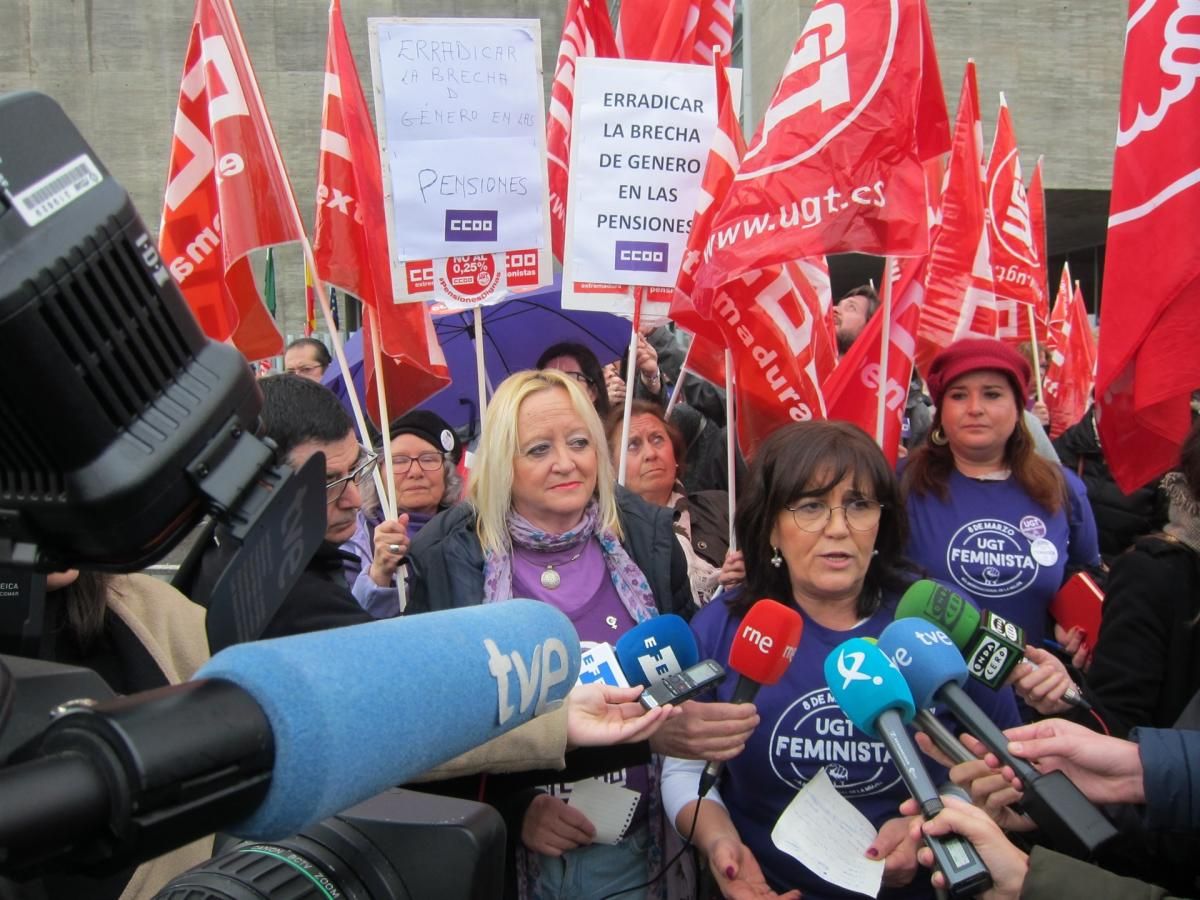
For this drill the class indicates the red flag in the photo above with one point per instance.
(1150, 310)
(714, 28)
(770, 331)
(350, 238)
(656, 29)
(1016, 264)
(706, 359)
(1072, 368)
(1037, 221)
(227, 189)
(587, 31)
(723, 158)
(959, 298)
(852, 394)
(835, 165)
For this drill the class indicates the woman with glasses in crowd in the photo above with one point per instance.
(425, 455)
(545, 519)
(822, 527)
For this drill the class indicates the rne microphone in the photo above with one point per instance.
(274, 736)
(661, 646)
(928, 660)
(992, 645)
(875, 698)
(762, 649)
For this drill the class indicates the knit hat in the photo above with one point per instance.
(972, 355)
(430, 427)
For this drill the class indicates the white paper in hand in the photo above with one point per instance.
(824, 831)
(609, 807)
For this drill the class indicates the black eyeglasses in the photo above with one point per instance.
(580, 377)
(429, 462)
(813, 515)
(305, 369)
(362, 468)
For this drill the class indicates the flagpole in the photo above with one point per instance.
(885, 337)
(676, 391)
(730, 446)
(1033, 342)
(631, 376)
(389, 500)
(480, 371)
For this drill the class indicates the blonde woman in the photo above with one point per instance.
(545, 519)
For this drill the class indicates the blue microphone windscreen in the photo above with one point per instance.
(357, 710)
(865, 683)
(925, 655)
(656, 648)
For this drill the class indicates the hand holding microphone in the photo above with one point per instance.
(762, 649)
(992, 646)
(875, 698)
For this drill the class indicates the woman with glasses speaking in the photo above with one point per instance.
(425, 456)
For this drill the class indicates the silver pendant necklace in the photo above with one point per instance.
(550, 578)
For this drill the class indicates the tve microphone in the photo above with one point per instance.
(274, 736)
(992, 645)
(875, 698)
(661, 646)
(927, 658)
(762, 649)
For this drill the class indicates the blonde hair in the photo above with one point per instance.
(490, 487)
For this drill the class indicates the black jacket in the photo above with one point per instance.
(1146, 663)
(447, 559)
(1120, 518)
(708, 512)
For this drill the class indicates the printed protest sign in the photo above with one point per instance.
(459, 108)
(642, 131)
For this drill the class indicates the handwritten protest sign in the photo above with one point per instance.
(641, 136)
(459, 108)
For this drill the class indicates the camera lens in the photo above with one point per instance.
(330, 860)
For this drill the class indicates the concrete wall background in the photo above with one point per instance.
(115, 67)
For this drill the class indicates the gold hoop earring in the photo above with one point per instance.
(776, 558)
(938, 438)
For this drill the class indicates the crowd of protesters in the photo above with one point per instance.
(823, 524)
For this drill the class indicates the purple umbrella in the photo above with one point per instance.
(516, 331)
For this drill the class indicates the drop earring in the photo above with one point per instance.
(776, 558)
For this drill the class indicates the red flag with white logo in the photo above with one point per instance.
(227, 189)
(835, 165)
(1150, 310)
(713, 28)
(1071, 371)
(587, 31)
(1016, 265)
(350, 238)
(852, 394)
(959, 296)
(1037, 220)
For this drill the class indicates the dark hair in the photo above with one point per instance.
(806, 459)
(296, 410)
(864, 290)
(86, 603)
(322, 351)
(929, 467)
(616, 419)
(588, 365)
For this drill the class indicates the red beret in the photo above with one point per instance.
(975, 354)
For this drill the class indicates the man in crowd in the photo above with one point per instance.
(303, 419)
(852, 313)
(306, 357)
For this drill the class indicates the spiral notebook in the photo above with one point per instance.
(609, 807)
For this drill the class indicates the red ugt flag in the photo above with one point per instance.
(587, 31)
(227, 190)
(852, 394)
(1016, 267)
(1150, 310)
(835, 165)
(1037, 220)
(1071, 372)
(959, 298)
(350, 238)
